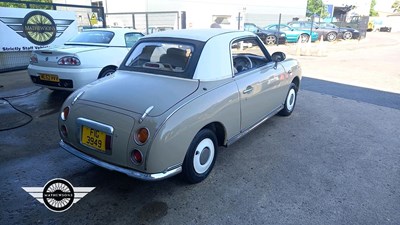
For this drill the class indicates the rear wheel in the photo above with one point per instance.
(290, 101)
(270, 40)
(331, 36)
(200, 157)
(107, 72)
(347, 35)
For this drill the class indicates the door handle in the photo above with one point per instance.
(248, 90)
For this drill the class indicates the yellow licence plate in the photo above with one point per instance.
(49, 77)
(93, 138)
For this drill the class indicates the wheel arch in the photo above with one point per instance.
(219, 130)
(296, 81)
(106, 68)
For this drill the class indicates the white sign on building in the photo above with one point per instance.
(31, 29)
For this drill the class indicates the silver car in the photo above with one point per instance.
(176, 98)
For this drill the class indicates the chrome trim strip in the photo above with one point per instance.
(148, 110)
(241, 134)
(171, 171)
(77, 97)
(95, 125)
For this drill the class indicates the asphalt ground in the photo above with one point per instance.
(335, 160)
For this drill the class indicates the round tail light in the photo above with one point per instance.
(64, 131)
(142, 135)
(136, 157)
(65, 113)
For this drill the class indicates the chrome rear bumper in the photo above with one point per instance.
(129, 172)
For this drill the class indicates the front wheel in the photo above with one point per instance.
(331, 36)
(200, 157)
(290, 101)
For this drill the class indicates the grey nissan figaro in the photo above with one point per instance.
(176, 97)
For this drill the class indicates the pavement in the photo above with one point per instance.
(373, 39)
(15, 83)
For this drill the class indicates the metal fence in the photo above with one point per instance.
(148, 22)
(357, 22)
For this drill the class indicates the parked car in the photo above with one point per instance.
(159, 29)
(292, 34)
(269, 37)
(328, 33)
(347, 33)
(177, 96)
(90, 55)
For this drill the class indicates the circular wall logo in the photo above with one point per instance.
(58, 195)
(39, 28)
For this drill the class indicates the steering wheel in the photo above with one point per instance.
(242, 63)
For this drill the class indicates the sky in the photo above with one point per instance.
(384, 5)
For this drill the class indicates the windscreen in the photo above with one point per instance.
(95, 37)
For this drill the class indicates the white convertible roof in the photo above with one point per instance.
(199, 34)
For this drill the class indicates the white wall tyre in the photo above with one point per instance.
(200, 157)
(290, 101)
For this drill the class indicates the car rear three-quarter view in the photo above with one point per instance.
(175, 99)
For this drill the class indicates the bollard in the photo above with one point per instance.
(298, 47)
(308, 48)
(321, 47)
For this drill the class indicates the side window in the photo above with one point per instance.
(131, 39)
(284, 28)
(273, 28)
(247, 54)
(308, 25)
(295, 25)
(250, 28)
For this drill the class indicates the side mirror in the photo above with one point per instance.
(278, 56)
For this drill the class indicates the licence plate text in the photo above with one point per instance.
(49, 77)
(93, 138)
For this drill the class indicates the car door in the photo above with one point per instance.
(259, 84)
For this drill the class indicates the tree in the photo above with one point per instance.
(396, 6)
(372, 11)
(316, 7)
(23, 5)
